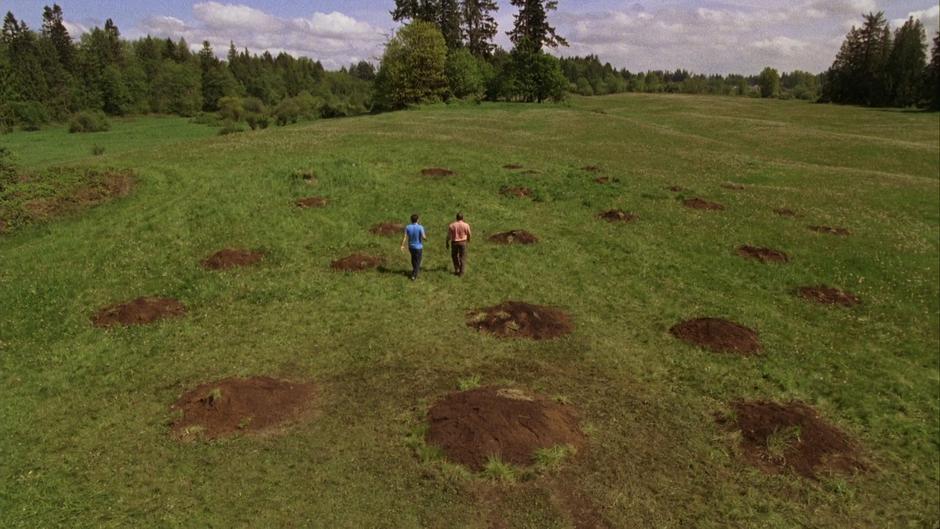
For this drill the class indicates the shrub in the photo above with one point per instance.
(287, 111)
(89, 121)
(231, 108)
(7, 171)
(463, 75)
(30, 115)
(230, 127)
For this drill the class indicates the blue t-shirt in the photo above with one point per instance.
(415, 233)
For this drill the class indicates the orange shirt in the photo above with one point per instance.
(458, 231)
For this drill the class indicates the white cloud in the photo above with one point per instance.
(930, 18)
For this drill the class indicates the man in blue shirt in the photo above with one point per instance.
(414, 237)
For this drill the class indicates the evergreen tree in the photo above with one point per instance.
(531, 29)
(931, 93)
(479, 26)
(54, 29)
(449, 22)
(907, 62)
(426, 10)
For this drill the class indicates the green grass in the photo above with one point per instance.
(84, 439)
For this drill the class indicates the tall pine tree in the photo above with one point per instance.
(532, 30)
(907, 62)
(479, 26)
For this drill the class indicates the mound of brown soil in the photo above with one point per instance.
(138, 312)
(437, 171)
(239, 405)
(720, 336)
(514, 237)
(842, 232)
(776, 437)
(311, 202)
(357, 262)
(605, 180)
(591, 169)
(764, 255)
(512, 166)
(471, 427)
(785, 212)
(231, 258)
(675, 189)
(828, 295)
(617, 215)
(388, 228)
(515, 319)
(733, 186)
(516, 191)
(698, 203)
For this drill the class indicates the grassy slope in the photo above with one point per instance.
(84, 438)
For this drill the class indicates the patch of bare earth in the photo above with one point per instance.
(357, 262)
(387, 229)
(140, 311)
(777, 437)
(698, 203)
(718, 335)
(232, 258)
(311, 202)
(437, 172)
(512, 166)
(764, 255)
(514, 237)
(516, 191)
(101, 188)
(828, 295)
(617, 215)
(842, 232)
(470, 427)
(516, 319)
(604, 180)
(239, 405)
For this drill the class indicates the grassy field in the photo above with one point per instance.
(84, 437)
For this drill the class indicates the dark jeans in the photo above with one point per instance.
(415, 261)
(458, 253)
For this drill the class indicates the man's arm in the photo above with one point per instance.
(404, 241)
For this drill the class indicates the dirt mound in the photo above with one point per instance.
(387, 228)
(512, 166)
(785, 212)
(231, 258)
(138, 312)
(733, 186)
(311, 202)
(617, 215)
(720, 336)
(698, 203)
(605, 180)
(675, 189)
(437, 171)
(775, 437)
(591, 168)
(516, 191)
(357, 262)
(472, 426)
(514, 237)
(764, 255)
(239, 405)
(828, 295)
(515, 319)
(842, 232)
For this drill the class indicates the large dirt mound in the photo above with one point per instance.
(514, 237)
(698, 203)
(775, 437)
(231, 258)
(239, 405)
(516, 191)
(388, 229)
(516, 319)
(617, 215)
(842, 232)
(311, 202)
(828, 295)
(721, 336)
(472, 426)
(437, 171)
(138, 312)
(764, 255)
(357, 262)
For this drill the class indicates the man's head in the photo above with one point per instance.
(414, 218)
(459, 216)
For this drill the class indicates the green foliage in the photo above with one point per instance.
(536, 77)
(499, 471)
(89, 121)
(287, 111)
(769, 82)
(7, 170)
(463, 75)
(413, 68)
(231, 109)
(469, 383)
(230, 127)
(551, 458)
(29, 115)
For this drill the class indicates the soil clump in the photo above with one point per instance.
(617, 215)
(516, 319)
(231, 258)
(140, 311)
(718, 335)
(512, 166)
(514, 237)
(311, 202)
(785, 212)
(357, 262)
(387, 229)
(764, 255)
(842, 232)
(828, 295)
(437, 172)
(698, 203)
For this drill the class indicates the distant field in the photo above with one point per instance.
(85, 437)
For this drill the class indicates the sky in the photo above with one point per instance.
(703, 36)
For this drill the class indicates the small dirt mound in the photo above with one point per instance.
(311, 202)
(515, 319)
(842, 232)
(357, 262)
(591, 169)
(239, 405)
(733, 186)
(514, 237)
(764, 255)
(140, 311)
(387, 229)
(785, 212)
(512, 166)
(698, 203)
(516, 191)
(231, 258)
(675, 189)
(720, 336)
(605, 180)
(472, 426)
(437, 171)
(828, 296)
(617, 215)
(776, 437)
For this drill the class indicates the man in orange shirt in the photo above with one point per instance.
(458, 236)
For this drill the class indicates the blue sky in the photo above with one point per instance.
(719, 36)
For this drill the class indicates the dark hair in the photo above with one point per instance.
(460, 216)
(414, 218)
